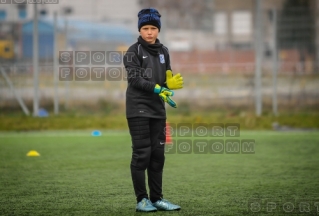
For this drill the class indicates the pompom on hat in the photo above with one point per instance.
(149, 16)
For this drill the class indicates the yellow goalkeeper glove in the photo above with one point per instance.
(165, 94)
(174, 82)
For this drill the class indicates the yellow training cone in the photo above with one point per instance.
(33, 153)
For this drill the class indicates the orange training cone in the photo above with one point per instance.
(168, 134)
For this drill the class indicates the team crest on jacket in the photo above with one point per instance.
(162, 58)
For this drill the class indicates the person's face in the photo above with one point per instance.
(149, 33)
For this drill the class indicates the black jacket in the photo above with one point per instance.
(144, 71)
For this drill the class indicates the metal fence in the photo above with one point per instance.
(220, 74)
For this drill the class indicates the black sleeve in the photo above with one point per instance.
(134, 71)
(168, 59)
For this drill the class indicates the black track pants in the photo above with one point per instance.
(148, 144)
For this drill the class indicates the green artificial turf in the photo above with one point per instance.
(77, 174)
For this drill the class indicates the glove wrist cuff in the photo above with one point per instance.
(157, 89)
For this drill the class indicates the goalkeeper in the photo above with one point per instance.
(150, 85)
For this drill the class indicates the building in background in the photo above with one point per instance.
(223, 26)
(212, 24)
(11, 17)
(81, 35)
(90, 25)
(220, 34)
(119, 11)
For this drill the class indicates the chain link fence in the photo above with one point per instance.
(217, 63)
